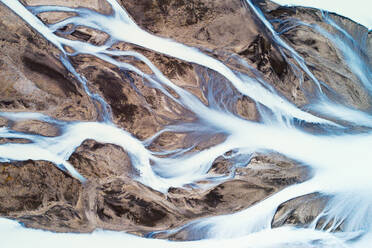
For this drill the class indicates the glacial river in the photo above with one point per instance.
(339, 153)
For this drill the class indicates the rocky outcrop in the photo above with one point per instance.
(301, 211)
(39, 195)
(47, 198)
(33, 80)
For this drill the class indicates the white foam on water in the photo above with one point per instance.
(32, 238)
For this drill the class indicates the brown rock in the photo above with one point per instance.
(36, 127)
(32, 191)
(96, 161)
(300, 211)
(33, 79)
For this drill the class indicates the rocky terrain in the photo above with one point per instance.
(32, 79)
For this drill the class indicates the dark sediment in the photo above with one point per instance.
(33, 80)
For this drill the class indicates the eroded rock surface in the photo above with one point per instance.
(40, 195)
(48, 198)
(33, 80)
(301, 211)
(32, 77)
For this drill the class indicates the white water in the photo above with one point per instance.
(341, 162)
(357, 10)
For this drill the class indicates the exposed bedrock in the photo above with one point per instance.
(32, 79)
(47, 198)
(301, 211)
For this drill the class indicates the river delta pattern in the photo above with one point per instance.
(213, 122)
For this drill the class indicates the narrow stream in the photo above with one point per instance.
(339, 155)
